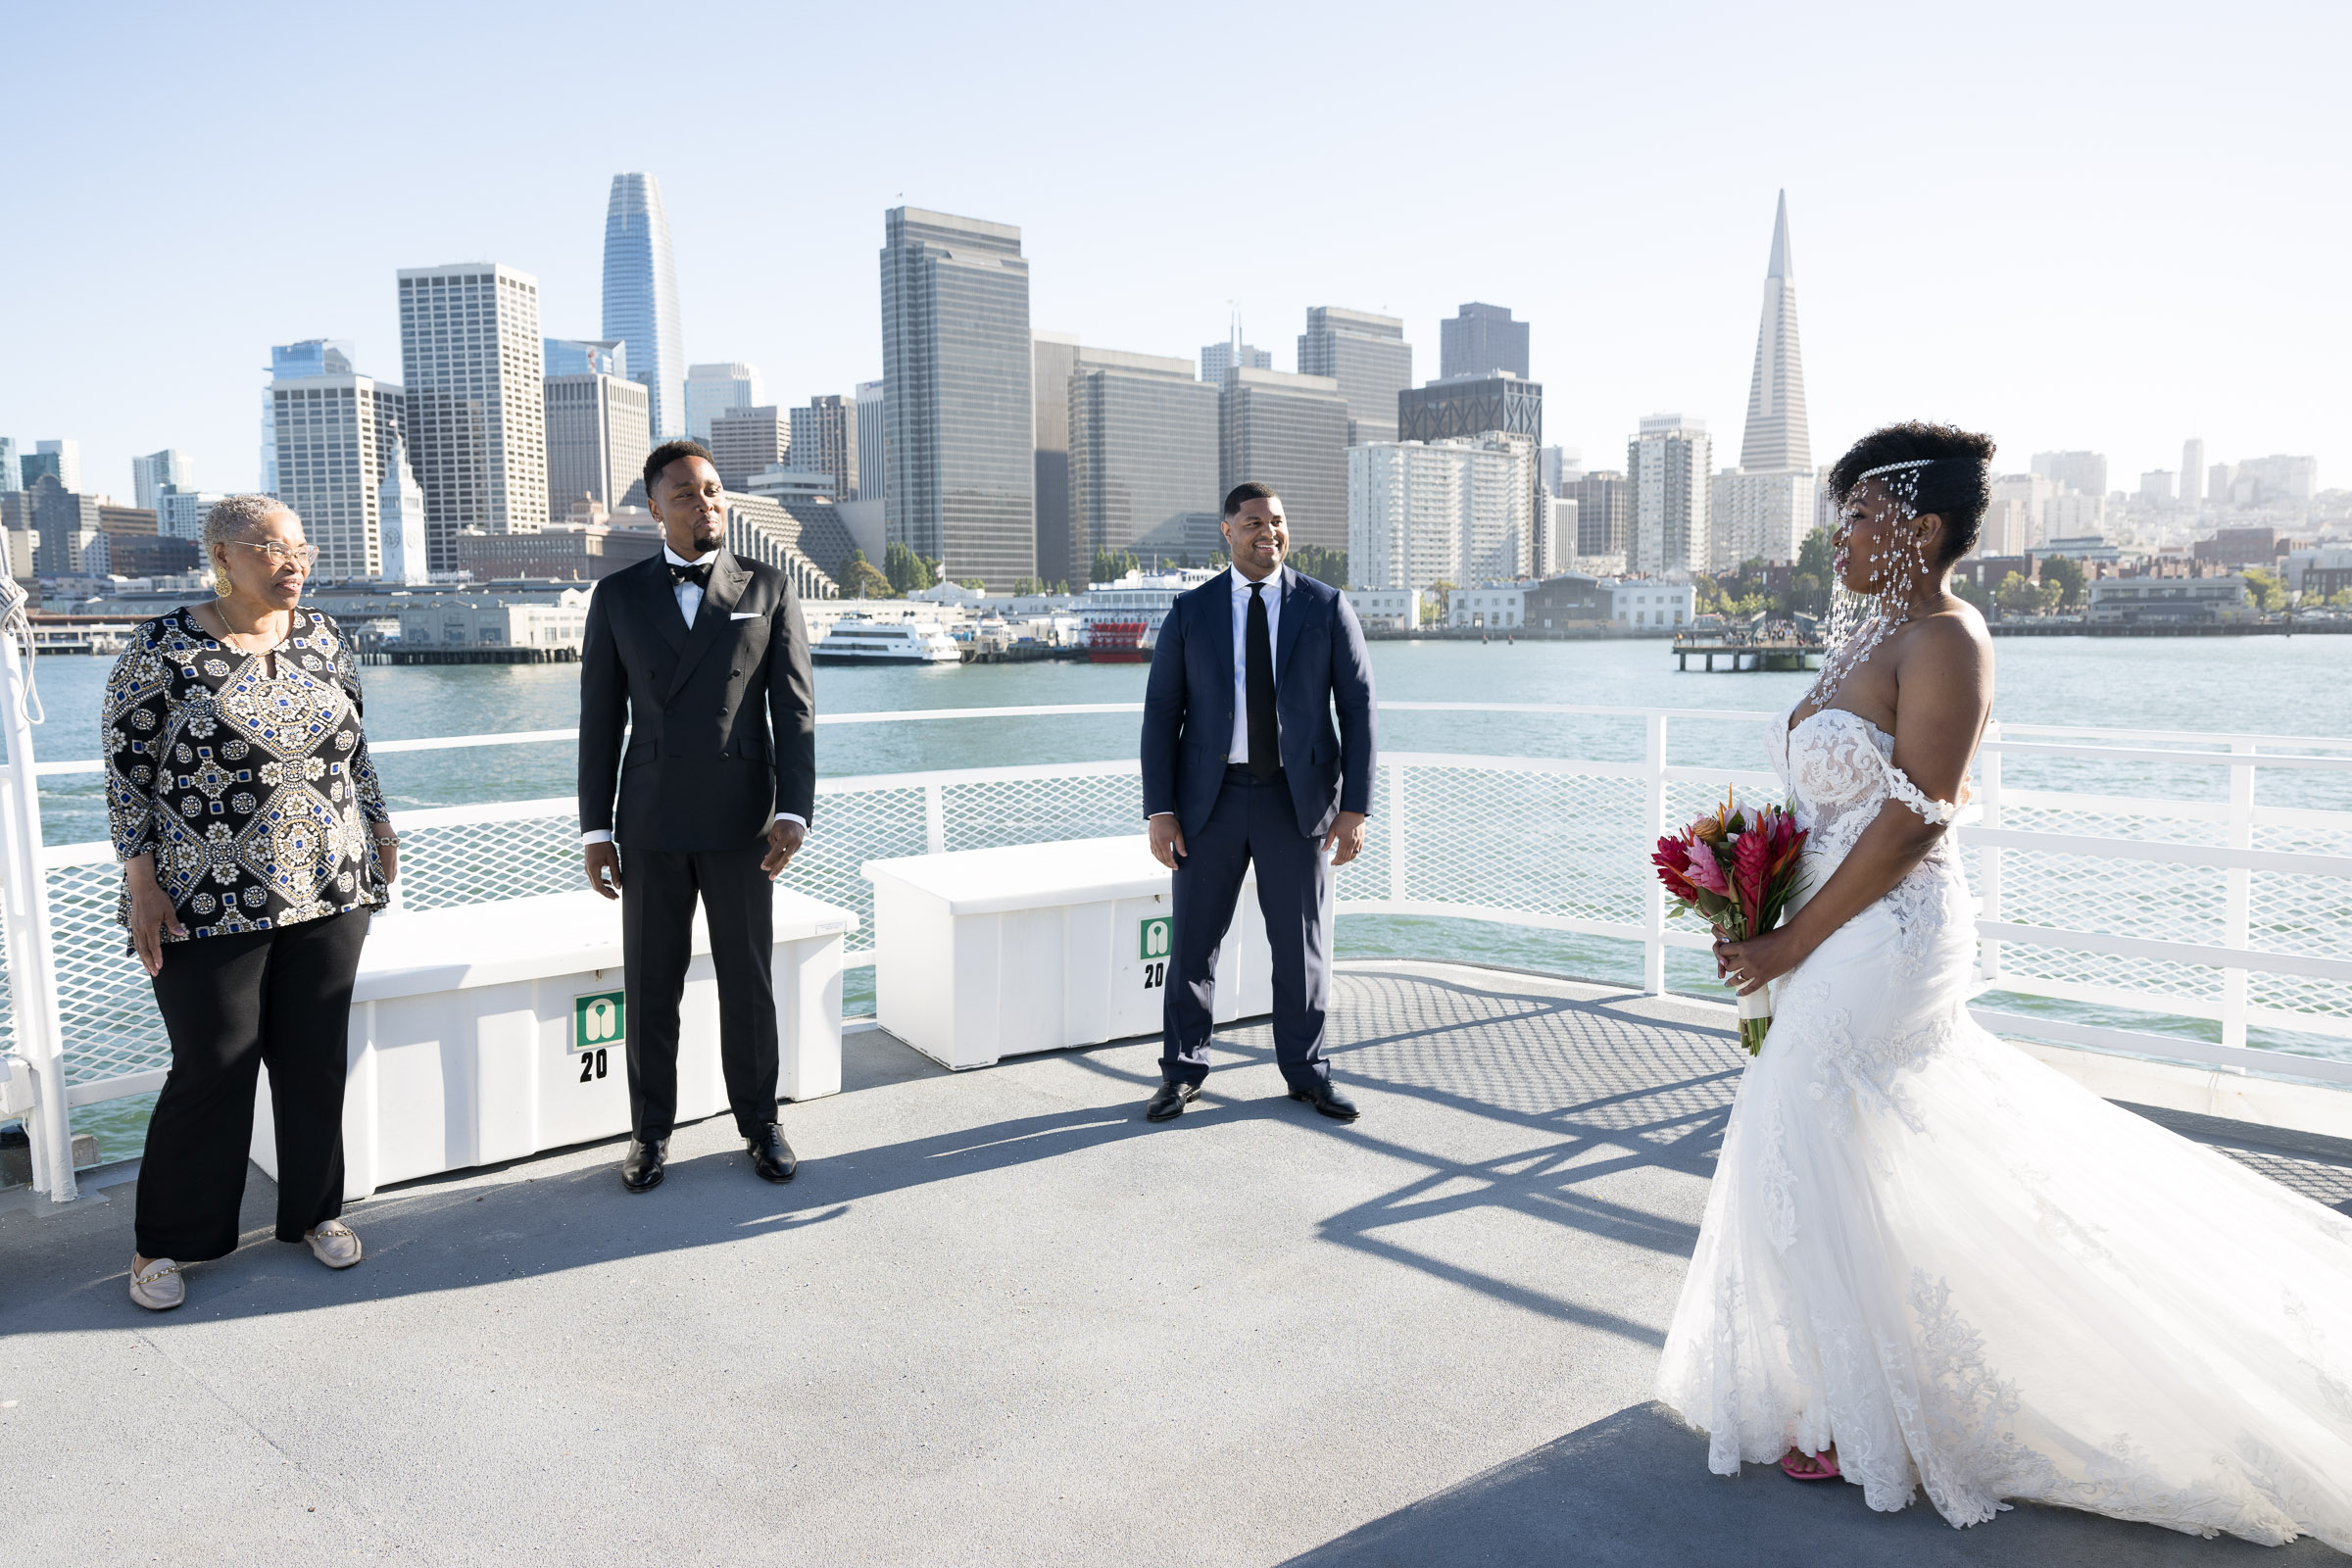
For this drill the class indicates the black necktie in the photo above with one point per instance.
(698, 574)
(1257, 682)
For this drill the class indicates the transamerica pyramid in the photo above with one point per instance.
(1777, 437)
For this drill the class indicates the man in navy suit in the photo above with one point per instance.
(1243, 764)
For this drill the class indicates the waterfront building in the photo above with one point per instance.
(1145, 469)
(1387, 608)
(641, 297)
(956, 372)
(823, 439)
(1369, 356)
(2083, 472)
(874, 441)
(585, 552)
(584, 356)
(1421, 512)
(1651, 604)
(335, 432)
(12, 477)
(2192, 471)
(2242, 547)
(1290, 431)
(156, 469)
(715, 389)
(471, 359)
(599, 431)
(1669, 463)
(1491, 606)
(495, 628)
(2156, 486)
(293, 361)
(1605, 513)
(1218, 358)
(1568, 601)
(2169, 600)
(403, 555)
(745, 441)
(180, 512)
(1060, 552)
(1480, 340)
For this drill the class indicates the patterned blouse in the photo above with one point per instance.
(252, 790)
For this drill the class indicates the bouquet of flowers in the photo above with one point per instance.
(1738, 868)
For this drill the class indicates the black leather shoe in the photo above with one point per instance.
(641, 1166)
(771, 1157)
(1329, 1101)
(1169, 1103)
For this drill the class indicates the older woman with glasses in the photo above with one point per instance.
(255, 843)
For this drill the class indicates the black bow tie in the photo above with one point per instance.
(698, 574)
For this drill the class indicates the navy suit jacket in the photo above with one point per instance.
(1320, 671)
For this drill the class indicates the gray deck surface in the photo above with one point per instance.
(997, 1319)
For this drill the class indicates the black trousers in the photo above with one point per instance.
(232, 1005)
(1252, 823)
(657, 890)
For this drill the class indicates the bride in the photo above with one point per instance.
(1929, 1260)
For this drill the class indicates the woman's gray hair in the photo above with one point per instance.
(233, 517)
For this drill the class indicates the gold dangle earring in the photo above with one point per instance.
(221, 586)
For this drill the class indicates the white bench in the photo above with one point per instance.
(486, 1032)
(986, 954)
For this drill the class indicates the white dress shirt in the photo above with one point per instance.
(1239, 751)
(690, 604)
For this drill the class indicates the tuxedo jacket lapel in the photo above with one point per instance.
(659, 604)
(1220, 615)
(1295, 608)
(727, 579)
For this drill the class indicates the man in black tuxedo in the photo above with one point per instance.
(1242, 765)
(706, 658)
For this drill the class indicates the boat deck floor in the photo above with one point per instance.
(998, 1319)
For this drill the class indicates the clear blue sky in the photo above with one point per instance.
(2071, 225)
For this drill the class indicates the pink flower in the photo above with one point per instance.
(1706, 872)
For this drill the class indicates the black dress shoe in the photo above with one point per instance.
(771, 1157)
(1169, 1103)
(1329, 1101)
(641, 1166)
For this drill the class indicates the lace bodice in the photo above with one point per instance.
(1839, 769)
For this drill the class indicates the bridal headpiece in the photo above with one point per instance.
(1859, 622)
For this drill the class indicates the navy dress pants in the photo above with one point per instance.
(1253, 823)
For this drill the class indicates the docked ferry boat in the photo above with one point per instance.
(873, 642)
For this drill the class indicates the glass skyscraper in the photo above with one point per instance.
(296, 361)
(955, 367)
(1144, 456)
(641, 298)
(1368, 356)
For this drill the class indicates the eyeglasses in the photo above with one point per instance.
(303, 555)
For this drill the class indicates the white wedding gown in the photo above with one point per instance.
(1972, 1275)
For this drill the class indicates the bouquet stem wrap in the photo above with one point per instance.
(1755, 1018)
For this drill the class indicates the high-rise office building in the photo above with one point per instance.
(405, 556)
(957, 371)
(2192, 471)
(641, 299)
(471, 359)
(1480, 340)
(584, 356)
(1557, 467)
(291, 362)
(1060, 540)
(1218, 358)
(745, 441)
(1289, 432)
(1605, 513)
(12, 477)
(824, 440)
(1776, 436)
(1368, 356)
(1458, 512)
(151, 472)
(874, 441)
(2156, 486)
(2015, 513)
(64, 524)
(599, 431)
(1143, 462)
(1469, 406)
(1759, 516)
(1669, 463)
(334, 432)
(62, 459)
(715, 389)
(2083, 472)
(2280, 476)
(180, 513)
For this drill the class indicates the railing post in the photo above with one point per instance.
(935, 818)
(1988, 950)
(1396, 831)
(2238, 902)
(31, 950)
(1653, 892)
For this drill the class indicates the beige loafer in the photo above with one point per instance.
(158, 1287)
(334, 1244)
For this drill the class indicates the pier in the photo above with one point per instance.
(1738, 653)
(480, 656)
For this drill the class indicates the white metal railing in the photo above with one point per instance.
(2234, 914)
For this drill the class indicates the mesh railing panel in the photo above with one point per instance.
(105, 1005)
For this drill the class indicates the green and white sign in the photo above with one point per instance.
(1154, 935)
(599, 1020)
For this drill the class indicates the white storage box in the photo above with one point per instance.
(486, 1032)
(986, 953)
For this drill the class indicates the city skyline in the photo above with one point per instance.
(2106, 342)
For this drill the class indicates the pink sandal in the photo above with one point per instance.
(1827, 1472)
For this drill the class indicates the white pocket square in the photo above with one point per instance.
(743, 615)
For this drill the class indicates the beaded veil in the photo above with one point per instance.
(1859, 622)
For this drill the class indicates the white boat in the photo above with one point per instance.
(874, 642)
